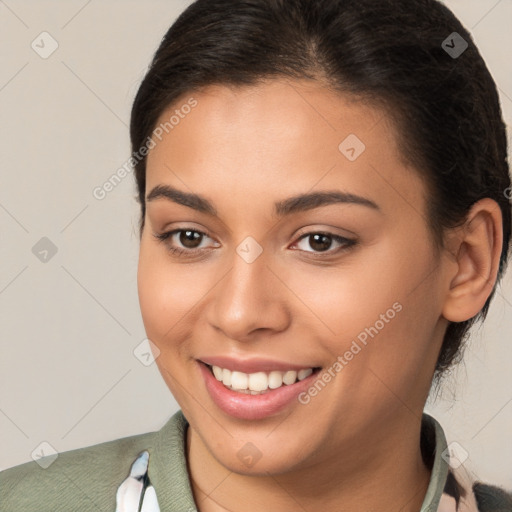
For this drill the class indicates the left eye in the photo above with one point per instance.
(321, 242)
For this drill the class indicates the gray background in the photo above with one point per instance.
(69, 326)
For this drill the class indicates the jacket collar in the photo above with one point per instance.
(168, 473)
(167, 469)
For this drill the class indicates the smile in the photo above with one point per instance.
(259, 382)
(262, 393)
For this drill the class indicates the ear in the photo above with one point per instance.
(477, 248)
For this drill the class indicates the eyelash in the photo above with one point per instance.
(346, 243)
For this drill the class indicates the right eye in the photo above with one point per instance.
(186, 238)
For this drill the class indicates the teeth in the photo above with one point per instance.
(239, 380)
(256, 383)
(304, 373)
(217, 372)
(289, 377)
(275, 380)
(226, 377)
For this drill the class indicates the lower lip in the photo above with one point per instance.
(252, 407)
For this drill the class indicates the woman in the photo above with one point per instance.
(324, 214)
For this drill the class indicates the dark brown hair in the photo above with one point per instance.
(391, 52)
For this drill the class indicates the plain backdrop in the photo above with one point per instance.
(69, 313)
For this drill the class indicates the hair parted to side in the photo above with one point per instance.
(386, 52)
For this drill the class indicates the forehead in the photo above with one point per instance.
(262, 140)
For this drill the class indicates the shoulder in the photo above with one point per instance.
(491, 498)
(85, 478)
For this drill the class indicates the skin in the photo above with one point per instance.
(354, 446)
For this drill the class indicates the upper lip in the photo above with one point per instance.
(252, 365)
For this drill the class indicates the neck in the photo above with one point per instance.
(383, 471)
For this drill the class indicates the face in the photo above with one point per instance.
(277, 246)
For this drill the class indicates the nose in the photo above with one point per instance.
(249, 301)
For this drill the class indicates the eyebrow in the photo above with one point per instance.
(298, 203)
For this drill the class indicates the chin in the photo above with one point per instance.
(266, 466)
(258, 456)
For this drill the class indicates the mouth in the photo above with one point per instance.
(259, 394)
(259, 382)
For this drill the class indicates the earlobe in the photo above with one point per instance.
(480, 243)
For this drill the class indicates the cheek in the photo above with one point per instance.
(166, 293)
(166, 299)
(383, 298)
(351, 296)
(393, 319)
